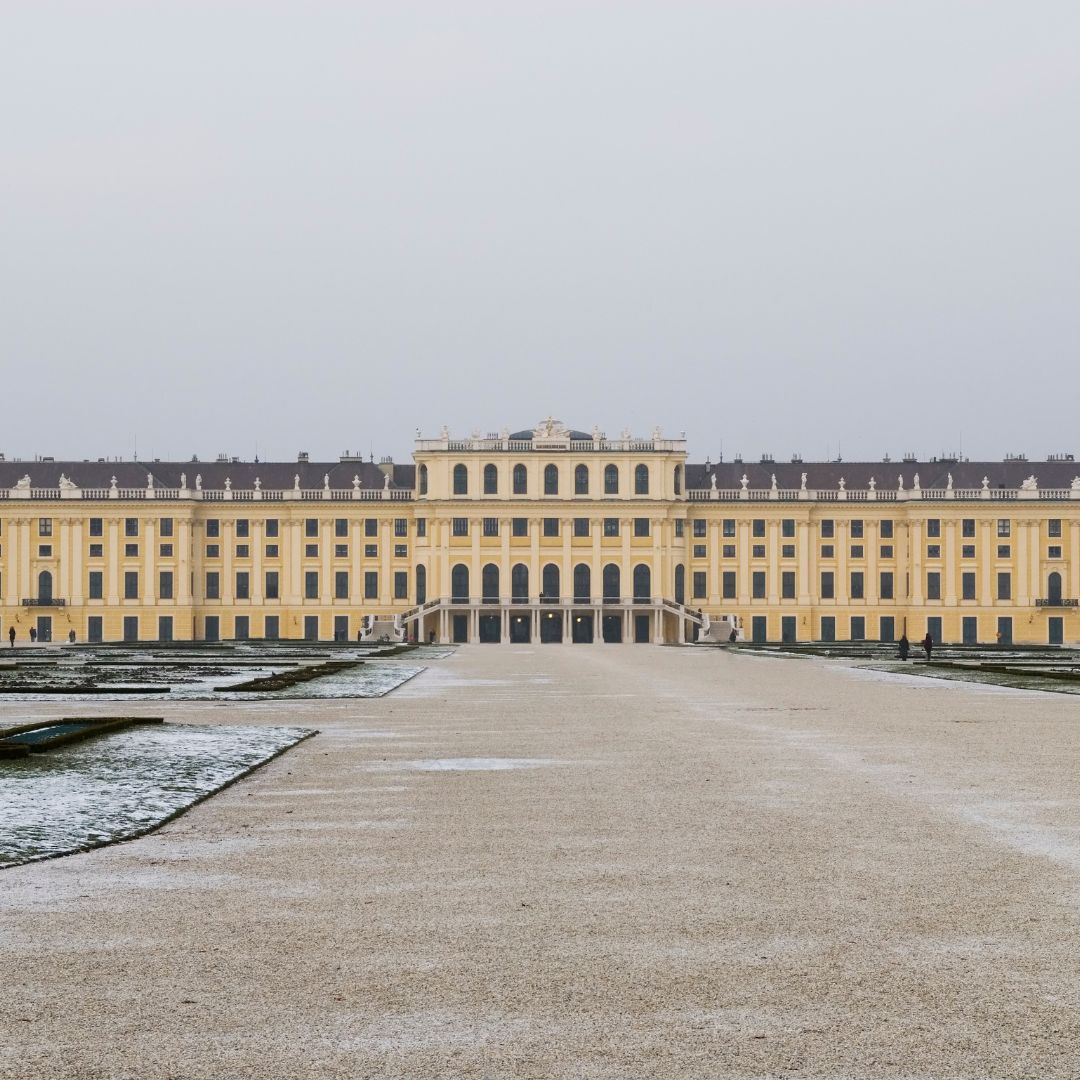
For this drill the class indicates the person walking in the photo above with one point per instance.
(928, 644)
(71, 636)
(11, 635)
(33, 634)
(905, 647)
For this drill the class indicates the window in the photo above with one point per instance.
(856, 591)
(967, 551)
(45, 527)
(341, 551)
(401, 551)
(729, 585)
(421, 526)
(461, 480)
(933, 585)
(341, 585)
(131, 585)
(551, 526)
(311, 527)
(213, 551)
(96, 528)
(828, 551)
(886, 551)
(933, 551)
(401, 585)
(729, 551)
(700, 529)
(933, 527)
(491, 480)
(611, 526)
(371, 526)
(95, 584)
(519, 527)
(1053, 527)
(422, 478)
(1004, 551)
(858, 627)
(242, 627)
(421, 584)
(311, 551)
(758, 585)
(271, 526)
(680, 584)
(401, 526)
(519, 583)
(131, 551)
(828, 627)
(243, 585)
(856, 551)
(787, 527)
(699, 551)
(828, 585)
(521, 480)
(491, 526)
(611, 480)
(371, 585)
(165, 551)
(967, 527)
(581, 526)
(93, 628)
(1004, 527)
(641, 480)
(131, 526)
(886, 529)
(489, 584)
(581, 480)
(243, 551)
(885, 590)
(1053, 551)
(677, 479)
(213, 585)
(679, 527)
(341, 527)
(967, 585)
(311, 584)
(582, 583)
(758, 551)
(271, 590)
(699, 585)
(1004, 586)
(551, 479)
(787, 585)
(460, 526)
(97, 551)
(45, 550)
(612, 579)
(787, 551)
(271, 551)
(213, 527)
(728, 528)
(641, 526)
(243, 527)
(856, 528)
(828, 528)
(165, 585)
(165, 526)
(758, 527)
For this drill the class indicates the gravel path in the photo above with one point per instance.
(584, 862)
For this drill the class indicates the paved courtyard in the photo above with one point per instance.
(558, 861)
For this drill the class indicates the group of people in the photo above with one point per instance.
(905, 646)
(34, 636)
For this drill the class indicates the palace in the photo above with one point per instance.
(546, 535)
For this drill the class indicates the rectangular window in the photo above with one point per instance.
(96, 527)
(213, 527)
(828, 585)
(1004, 527)
(311, 526)
(311, 584)
(491, 526)
(165, 528)
(551, 526)
(45, 550)
(44, 526)
(94, 628)
(828, 627)
(243, 551)
(759, 527)
(371, 585)
(856, 585)
(1053, 551)
(828, 529)
(729, 551)
(1004, 584)
(371, 551)
(311, 551)
(272, 627)
(131, 526)
(213, 551)
(271, 591)
(1053, 527)
(757, 551)
(96, 579)
(933, 551)
(933, 585)
(213, 585)
(967, 585)
(611, 526)
(165, 628)
(243, 585)
(886, 529)
(700, 585)
(856, 551)
(758, 585)
(271, 551)
(272, 529)
(967, 551)
(401, 551)
(97, 551)
(729, 584)
(165, 551)
(401, 526)
(787, 527)
(858, 627)
(519, 526)
(886, 551)
(341, 585)
(131, 551)
(856, 528)
(242, 627)
(967, 528)
(699, 551)
(371, 526)
(131, 628)
(341, 551)
(729, 527)
(933, 527)
(828, 551)
(886, 585)
(787, 551)
(1004, 551)
(680, 525)
(581, 526)
(401, 585)
(700, 526)
(641, 526)
(165, 583)
(787, 585)
(421, 526)
(341, 528)
(460, 526)
(243, 528)
(131, 584)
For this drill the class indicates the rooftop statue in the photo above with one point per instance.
(1030, 484)
(198, 481)
(1075, 486)
(258, 484)
(23, 484)
(65, 484)
(873, 484)
(802, 482)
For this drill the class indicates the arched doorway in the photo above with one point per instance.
(490, 583)
(611, 583)
(550, 594)
(459, 584)
(582, 583)
(44, 587)
(642, 583)
(519, 584)
(1053, 588)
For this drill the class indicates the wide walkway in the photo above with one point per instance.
(714, 865)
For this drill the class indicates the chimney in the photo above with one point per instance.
(386, 467)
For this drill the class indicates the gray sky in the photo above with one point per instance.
(778, 226)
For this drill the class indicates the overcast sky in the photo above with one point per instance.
(778, 226)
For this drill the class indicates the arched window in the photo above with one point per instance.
(519, 583)
(641, 480)
(581, 480)
(491, 480)
(1053, 587)
(44, 585)
(680, 584)
(611, 480)
(642, 583)
(422, 477)
(421, 584)
(551, 479)
(459, 584)
(550, 594)
(678, 479)
(490, 583)
(521, 480)
(582, 583)
(461, 480)
(611, 582)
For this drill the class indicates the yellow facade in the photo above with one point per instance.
(546, 535)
